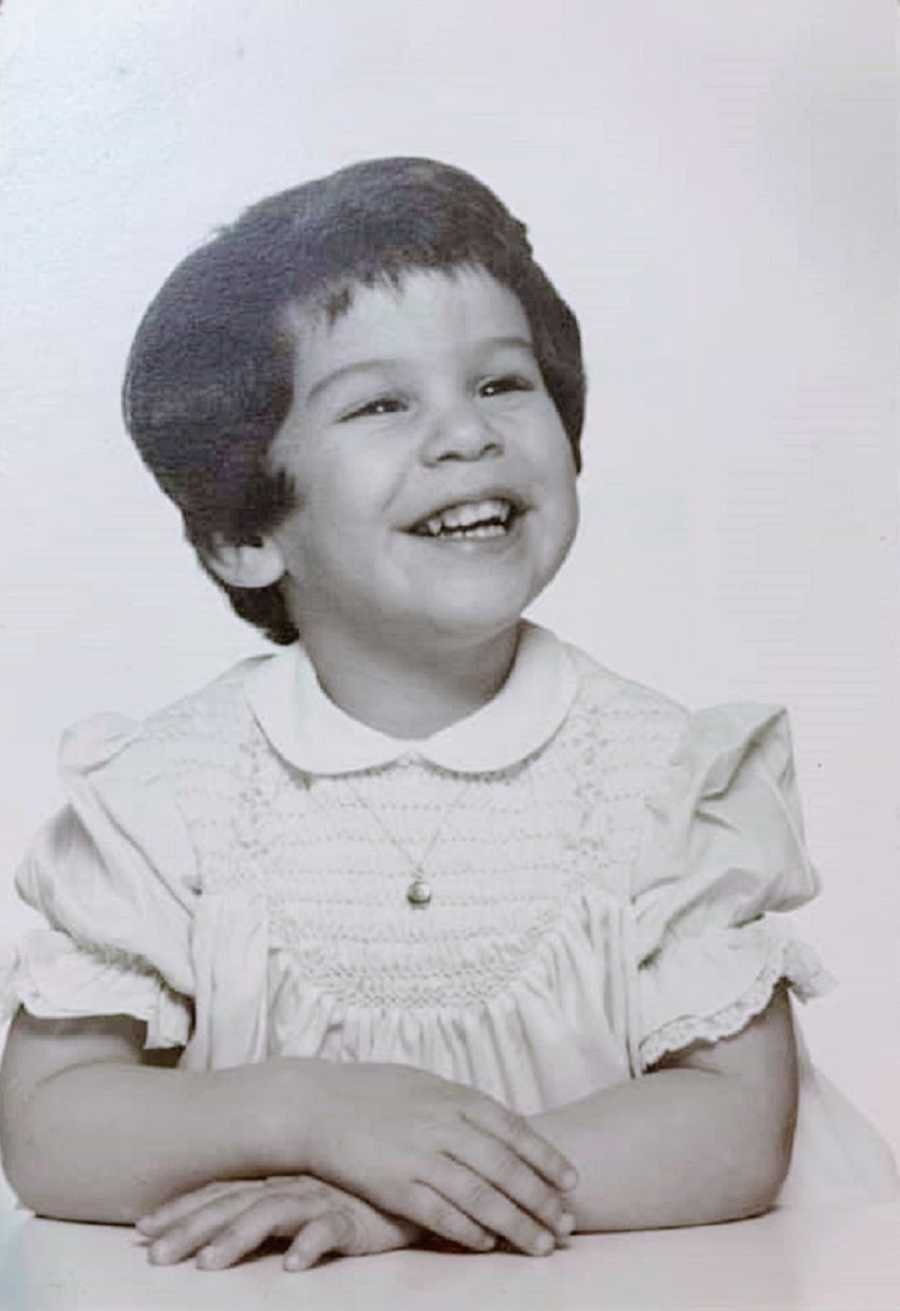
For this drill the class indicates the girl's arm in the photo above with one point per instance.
(94, 1128)
(90, 1131)
(705, 1136)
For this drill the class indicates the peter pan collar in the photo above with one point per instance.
(309, 730)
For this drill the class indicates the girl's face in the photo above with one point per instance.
(435, 483)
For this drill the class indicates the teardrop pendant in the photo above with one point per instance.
(418, 893)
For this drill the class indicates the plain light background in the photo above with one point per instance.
(711, 186)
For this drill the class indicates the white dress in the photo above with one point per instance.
(608, 875)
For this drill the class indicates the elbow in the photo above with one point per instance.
(776, 1161)
(774, 1115)
(25, 1167)
(13, 1160)
(762, 1183)
(759, 1081)
(46, 1180)
(21, 1167)
(766, 1143)
(46, 1193)
(28, 1192)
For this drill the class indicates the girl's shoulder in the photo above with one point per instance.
(602, 691)
(607, 703)
(698, 750)
(203, 722)
(602, 685)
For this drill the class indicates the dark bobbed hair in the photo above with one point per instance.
(209, 380)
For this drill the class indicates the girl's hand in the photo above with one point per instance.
(226, 1221)
(440, 1154)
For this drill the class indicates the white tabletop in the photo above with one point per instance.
(827, 1260)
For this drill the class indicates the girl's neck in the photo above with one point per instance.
(411, 693)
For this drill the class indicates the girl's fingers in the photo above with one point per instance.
(493, 1163)
(185, 1236)
(171, 1212)
(277, 1216)
(332, 1232)
(490, 1117)
(440, 1214)
(494, 1211)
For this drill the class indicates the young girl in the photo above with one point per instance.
(429, 924)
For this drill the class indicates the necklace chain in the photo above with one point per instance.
(418, 893)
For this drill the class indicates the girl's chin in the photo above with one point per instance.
(447, 620)
(471, 622)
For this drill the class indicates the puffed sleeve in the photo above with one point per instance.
(723, 857)
(113, 875)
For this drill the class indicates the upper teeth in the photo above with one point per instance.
(464, 516)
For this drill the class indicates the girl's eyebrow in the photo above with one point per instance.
(372, 366)
(359, 366)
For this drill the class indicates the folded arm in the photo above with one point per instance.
(705, 1136)
(90, 1131)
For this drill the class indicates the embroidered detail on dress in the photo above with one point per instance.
(522, 847)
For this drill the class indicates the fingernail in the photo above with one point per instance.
(158, 1253)
(543, 1245)
(299, 1260)
(566, 1224)
(209, 1256)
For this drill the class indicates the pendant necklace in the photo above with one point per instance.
(418, 893)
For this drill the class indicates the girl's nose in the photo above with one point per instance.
(460, 432)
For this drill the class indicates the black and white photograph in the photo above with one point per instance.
(448, 656)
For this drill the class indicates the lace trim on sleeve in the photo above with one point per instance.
(789, 960)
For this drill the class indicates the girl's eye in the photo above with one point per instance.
(381, 405)
(508, 383)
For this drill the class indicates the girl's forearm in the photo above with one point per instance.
(676, 1147)
(109, 1141)
(112, 1142)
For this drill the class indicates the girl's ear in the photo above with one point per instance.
(257, 563)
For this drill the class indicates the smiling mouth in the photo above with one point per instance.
(470, 520)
